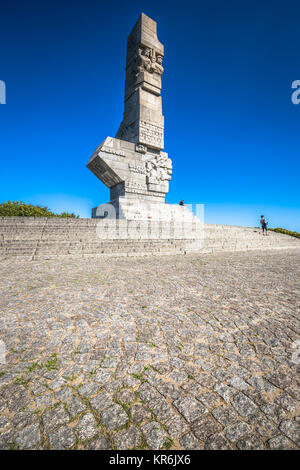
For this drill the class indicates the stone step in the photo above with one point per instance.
(53, 237)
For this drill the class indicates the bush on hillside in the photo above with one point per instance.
(286, 232)
(16, 208)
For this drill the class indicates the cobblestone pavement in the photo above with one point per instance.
(183, 352)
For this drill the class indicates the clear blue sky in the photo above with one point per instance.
(230, 126)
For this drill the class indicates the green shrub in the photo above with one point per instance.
(16, 208)
(286, 232)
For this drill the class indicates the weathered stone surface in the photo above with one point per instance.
(190, 408)
(126, 396)
(157, 404)
(29, 437)
(274, 412)
(261, 384)
(88, 389)
(217, 442)
(279, 379)
(264, 427)
(215, 303)
(287, 402)
(55, 417)
(16, 397)
(114, 417)
(225, 415)
(101, 401)
(76, 406)
(291, 429)
(62, 438)
(250, 443)
(238, 383)
(176, 426)
(100, 443)
(4, 423)
(237, 431)
(243, 405)
(24, 418)
(280, 443)
(7, 440)
(209, 400)
(204, 427)
(189, 442)
(225, 391)
(128, 439)
(154, 435)
(86, 427)
(44, 401)
(139, 413)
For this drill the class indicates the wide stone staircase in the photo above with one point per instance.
(38, 237)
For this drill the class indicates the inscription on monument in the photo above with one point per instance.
(113, 151)
(151, 134)
(137, 169)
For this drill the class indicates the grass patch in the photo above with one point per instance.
(33, 367)
(168, 443)
(92, 372)
(143, 445)
(139, 377)
(71, 378)
(285, 232)
(22, 381)
(52, 364)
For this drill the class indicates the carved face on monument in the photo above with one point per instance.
(159, 59)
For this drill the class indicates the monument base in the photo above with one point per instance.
(133, 208)
(135, 219)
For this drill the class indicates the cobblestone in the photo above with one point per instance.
(28, 437)
(86, 427)
(114, 417)
(190, 408)
(62, 438)
(182, 352)
(236, 431)
(154, 435)
(189, 442)
(128, 439)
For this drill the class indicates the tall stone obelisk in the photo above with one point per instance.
(133, 164)
(143, 121)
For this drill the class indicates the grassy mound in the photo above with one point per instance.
(19, 208)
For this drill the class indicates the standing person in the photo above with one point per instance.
(263, 224)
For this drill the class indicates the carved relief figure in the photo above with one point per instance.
(150, 61)
(144, 60)
(158, 68)
(158, 169)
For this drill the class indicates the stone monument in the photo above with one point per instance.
(133, 164)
